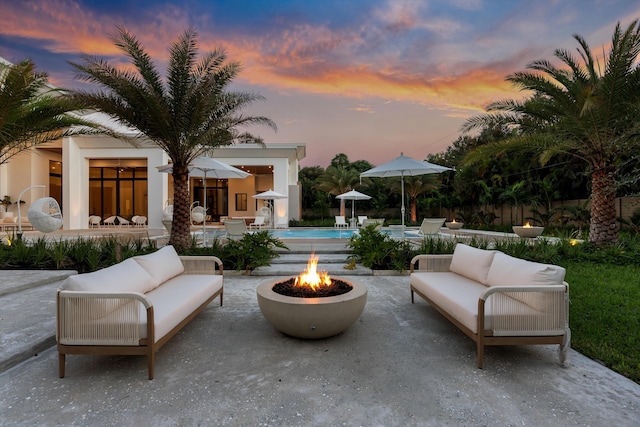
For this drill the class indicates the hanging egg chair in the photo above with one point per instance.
(197, 215)
(45, 215)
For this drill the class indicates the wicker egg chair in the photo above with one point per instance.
(45, 215)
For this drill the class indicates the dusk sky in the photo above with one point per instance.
(368, 78)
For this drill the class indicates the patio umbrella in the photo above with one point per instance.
(206, 166)
(353, 195)
(270, 195)
(404, 166)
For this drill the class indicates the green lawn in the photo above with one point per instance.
(605, 314)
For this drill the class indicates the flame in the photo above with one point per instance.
(311, 278)
(454, 220)
(527, 225)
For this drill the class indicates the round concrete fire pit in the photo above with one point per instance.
(311, 318)
(523, 231)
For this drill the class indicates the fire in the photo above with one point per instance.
(454, 220)
(311, 278)
(527, 225)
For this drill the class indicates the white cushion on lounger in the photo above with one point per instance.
(510, 271)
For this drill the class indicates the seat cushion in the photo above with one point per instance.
(458, 296)
(472, 263)
(162, 265)
(177, 298)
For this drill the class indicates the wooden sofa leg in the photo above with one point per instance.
(150, 363)
(411, 296)
(480, 354)
(221, 295)
(61, 362)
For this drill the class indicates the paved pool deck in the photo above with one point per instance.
(400, 364)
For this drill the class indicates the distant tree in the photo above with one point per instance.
(188, 113)
(584, 109)
(337, 180)
(32, 112)
(414, 186)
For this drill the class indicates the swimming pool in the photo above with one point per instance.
(298, 233)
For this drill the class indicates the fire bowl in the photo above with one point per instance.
(454, 225)
(311, 318)
(527, 231)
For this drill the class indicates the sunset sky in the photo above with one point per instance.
(368, 78)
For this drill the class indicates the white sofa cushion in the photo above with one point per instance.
(458, 296)
(510, 271)
(178, 298)
(126, 276)
(472, 263)
(162, 265)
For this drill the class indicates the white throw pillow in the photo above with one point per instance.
(162, 264)
(472, 263)
(126, 276)
(509, 271)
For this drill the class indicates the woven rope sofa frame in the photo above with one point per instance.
(440, 263)
(131, 335)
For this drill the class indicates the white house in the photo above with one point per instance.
(99, 175)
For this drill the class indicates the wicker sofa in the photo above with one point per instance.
(134, 307)
(494, 298)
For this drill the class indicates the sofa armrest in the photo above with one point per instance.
(204, 264)
(524, 310)
(102, 318)
(430, 262)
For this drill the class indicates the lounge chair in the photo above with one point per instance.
(123, 221)
(361, 219)
(110, 222)
(429, 227)
(235, 228)
(340, 222)
(258, 223)
(139, 220)
(94, 221)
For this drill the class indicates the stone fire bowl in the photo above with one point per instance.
(527, 231)
(454, 225)
(311, 318)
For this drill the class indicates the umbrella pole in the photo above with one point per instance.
(402, 208)
(204, 221)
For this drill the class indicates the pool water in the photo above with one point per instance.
(297, 233)
(314, 233)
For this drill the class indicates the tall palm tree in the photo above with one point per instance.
(586, 109)
(188, 114)
(32, 112)
(337, 180)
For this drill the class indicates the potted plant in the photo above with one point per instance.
(5, 204)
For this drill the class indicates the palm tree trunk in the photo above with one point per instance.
(181, 224)
(603, 228)
(414, 210)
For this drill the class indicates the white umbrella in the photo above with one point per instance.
(270, 195)
(206, 166)
(353, 195)
(404, 166)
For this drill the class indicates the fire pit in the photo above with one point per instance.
(312, 305)
(527, 230)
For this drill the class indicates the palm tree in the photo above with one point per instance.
(188, 114)
(413, 187)
(588, 110)
(32, 112)
(337, 180)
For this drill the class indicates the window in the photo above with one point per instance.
(241, 201)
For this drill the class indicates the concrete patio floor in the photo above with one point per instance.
(399, 365)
